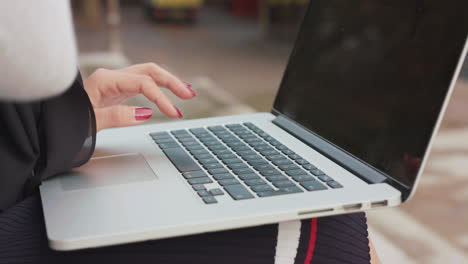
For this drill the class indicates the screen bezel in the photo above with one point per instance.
(407, 190)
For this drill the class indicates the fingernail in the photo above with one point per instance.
(189, 87)
(143, 113)
(178, 111)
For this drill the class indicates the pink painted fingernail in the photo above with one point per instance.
(189, 87)
(178, 111)
(143, 113)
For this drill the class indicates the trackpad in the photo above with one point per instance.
(110, 170)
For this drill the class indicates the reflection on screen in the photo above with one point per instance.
(370, 76)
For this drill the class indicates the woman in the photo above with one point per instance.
(49, 118)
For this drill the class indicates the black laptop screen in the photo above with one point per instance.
(370, 76)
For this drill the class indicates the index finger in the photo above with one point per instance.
(163, 78)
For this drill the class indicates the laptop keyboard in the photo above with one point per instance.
(244, 160)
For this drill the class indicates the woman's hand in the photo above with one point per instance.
(107, 89)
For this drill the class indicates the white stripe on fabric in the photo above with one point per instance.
(287, 242)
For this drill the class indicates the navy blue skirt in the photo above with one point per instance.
(335, 239)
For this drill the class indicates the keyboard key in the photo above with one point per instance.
(226, 182)
(257, 144)
(184, 137)
(159, 134)
(252, 139)
(168, 145)
(202, 193)
(195, 147)
(302, 161)
(246, 153)
(216, 128)
(179, 132)
(216, 147)
(292, 189)
(270, 172)
(302, 178)
(295, 172)
(280, 147)
(313, 186)
(257, 162)
(213, 166)
(270, 153)
(181, 159)
(238, 192)
(209, 200)
(212, 143)
(194, 174)
(227, 156)
(272, 193)
(237, 166)
(309, 167)
(198, 130)
(263, 167)
(223, 176)
(262, 188)
(252, 157)
(254, 182)
(217, 171)
(317, 172)
(289, 167)
(222, 133)
(200, 180)
(279, 162)
(206, 137)
(295, 156)
(240, 148)
(230, 139)
(207, 161)
(249, 176)
(325, 178)
(164, 140)
(231, 161)
(275, 178)
(334, 184)
(222, 151)
(236, 143)
(203, 156)
(234, 126)
(287, 151)
(198, 187)
(281, 184)
(197, 152)
(216, 192)
(262, 148)
(189, 143)
(275, 157)
(243, 171)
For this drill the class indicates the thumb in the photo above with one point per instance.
(121, 116)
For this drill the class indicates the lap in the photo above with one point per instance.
(336, 239)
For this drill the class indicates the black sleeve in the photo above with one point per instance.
(43, 138)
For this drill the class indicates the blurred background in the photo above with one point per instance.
(234, 53)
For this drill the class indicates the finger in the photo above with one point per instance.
(163, 78)
(119, 83)
(121, 116)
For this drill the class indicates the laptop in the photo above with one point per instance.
(360, 102)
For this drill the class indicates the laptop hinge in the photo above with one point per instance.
(350, 163)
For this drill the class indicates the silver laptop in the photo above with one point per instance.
(360, 101)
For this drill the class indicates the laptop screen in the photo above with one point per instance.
(371, 76)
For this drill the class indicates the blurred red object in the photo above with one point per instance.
(247, 8)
